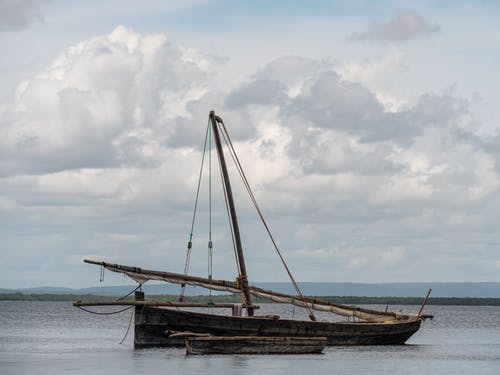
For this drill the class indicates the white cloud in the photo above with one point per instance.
(403, 27)
(108, 101)
(351, 162)
(379, 76)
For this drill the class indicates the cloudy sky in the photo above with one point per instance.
(369, 131)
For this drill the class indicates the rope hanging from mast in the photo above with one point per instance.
(190, 241)
(236, 161)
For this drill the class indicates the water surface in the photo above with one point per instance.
(56, 338)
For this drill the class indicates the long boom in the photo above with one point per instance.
(141, 275)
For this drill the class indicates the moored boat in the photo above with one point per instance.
(152, 320)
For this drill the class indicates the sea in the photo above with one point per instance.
(57, 338)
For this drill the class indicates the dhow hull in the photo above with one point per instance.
(153, 324)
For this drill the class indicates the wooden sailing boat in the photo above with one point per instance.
(155, 322)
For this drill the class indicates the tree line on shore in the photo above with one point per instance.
(231, 298)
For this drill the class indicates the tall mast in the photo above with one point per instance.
(214, 119)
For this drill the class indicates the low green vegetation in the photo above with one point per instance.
(230, 298)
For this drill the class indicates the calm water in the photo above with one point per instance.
(55, 338)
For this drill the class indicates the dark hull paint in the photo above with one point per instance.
(151, 323)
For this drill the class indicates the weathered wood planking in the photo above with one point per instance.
(254, 345)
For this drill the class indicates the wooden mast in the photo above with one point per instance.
(232, 212)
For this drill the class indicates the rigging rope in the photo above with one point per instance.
(105, 313)
(234, 156)
(126, 295)
(190, 241)
(128, 328)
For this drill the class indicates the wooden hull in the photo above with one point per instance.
(152, 323)
(254, 345)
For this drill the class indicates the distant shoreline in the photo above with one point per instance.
(348, 300)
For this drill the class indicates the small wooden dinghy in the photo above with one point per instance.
(254, 345)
